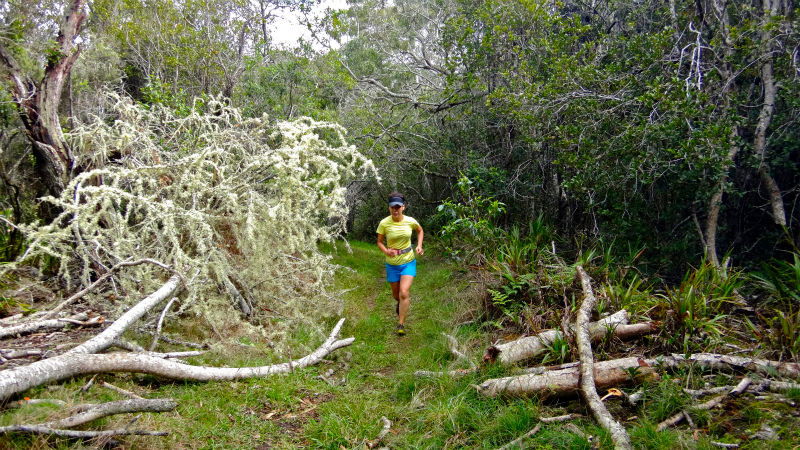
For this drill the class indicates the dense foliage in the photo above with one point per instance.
(669, 124)
(665, 130)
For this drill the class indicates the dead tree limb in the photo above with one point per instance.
(731, 362)
(81, 319)
(530, 346)
(39, 429)
(387, 426)
(563, 382)
(711, 404)
(105, 339)
(537, 428)
(112, 408)
(160, 322)
(20, 379)
(619, 435)
(131, 347)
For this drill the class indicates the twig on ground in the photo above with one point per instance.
(38, 401)
(88, 384)
(452, 373)
(38, 429)
(18, 353)
(129, 346)
(170, 340)
(387, 425)
(713, 403)
(120, 390)
(516, 441)
(454, 350)
(112, 408)
(723, 445)
(538, 426)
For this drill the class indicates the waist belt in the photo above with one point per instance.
(404, 251)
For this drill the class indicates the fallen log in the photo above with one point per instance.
(20, 379)
(564, 382)
(619, 435)
(530, 346)
(607, 374)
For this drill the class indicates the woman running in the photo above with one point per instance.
(401, 265)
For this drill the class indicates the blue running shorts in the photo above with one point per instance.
(393, 272)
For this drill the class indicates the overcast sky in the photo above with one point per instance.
(288, 29)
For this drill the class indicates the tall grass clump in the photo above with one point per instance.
(694, 319)
(778, 324)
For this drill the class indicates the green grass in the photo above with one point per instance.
(375, 377)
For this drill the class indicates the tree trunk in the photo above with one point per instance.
(772, 9)
(38, 102)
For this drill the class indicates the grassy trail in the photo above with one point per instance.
(373, 378)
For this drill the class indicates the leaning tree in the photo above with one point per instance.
(38, 98)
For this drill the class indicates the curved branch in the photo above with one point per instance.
(72, 363)
(105, 339)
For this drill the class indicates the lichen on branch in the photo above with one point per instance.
(219, 197)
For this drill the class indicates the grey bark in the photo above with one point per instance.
(106, 339)
(562, 382)
(74, 363)
(713, 403)
(111, 408)
(49, 325)
(588, 389)
(530, 346)
(771, 10)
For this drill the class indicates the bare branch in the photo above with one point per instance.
(588, 389)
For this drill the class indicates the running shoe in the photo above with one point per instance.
(401, 330)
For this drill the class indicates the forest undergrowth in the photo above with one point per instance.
(339, 404)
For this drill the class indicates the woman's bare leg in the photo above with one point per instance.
(404, 297)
